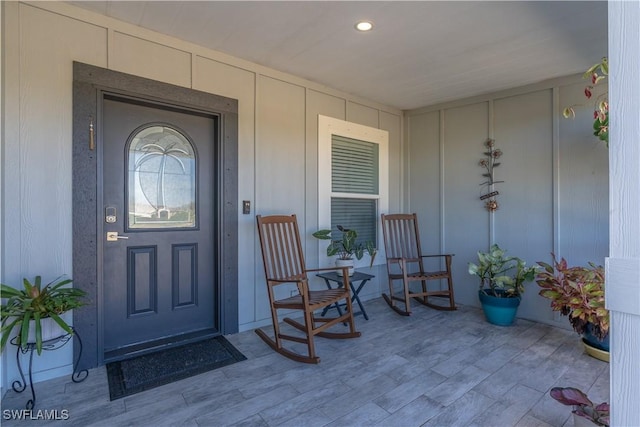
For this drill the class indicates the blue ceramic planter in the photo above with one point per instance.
(593, 341)
(499, 311)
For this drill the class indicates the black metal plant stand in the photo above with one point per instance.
(49, 345)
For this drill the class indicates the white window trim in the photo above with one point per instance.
(328, 126)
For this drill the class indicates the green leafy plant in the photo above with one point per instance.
(577, 292)
(346, 247)
(501, 275)
(35, 302)
(582, 405)
(596, 74)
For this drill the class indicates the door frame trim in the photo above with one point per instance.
(89, 85)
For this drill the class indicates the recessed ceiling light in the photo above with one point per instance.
(364, 26)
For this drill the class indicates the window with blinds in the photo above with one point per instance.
(353, 182)
(355, 186)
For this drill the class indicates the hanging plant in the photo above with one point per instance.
(596, 74)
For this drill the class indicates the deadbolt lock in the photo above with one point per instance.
(110, 215)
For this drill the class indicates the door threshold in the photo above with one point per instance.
(140, 349)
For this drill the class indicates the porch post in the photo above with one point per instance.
(623, 266)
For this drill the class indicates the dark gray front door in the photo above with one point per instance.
(159, 193)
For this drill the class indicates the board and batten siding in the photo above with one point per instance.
(36, 168)
(554, 197)
(277, 142)
(623, 266)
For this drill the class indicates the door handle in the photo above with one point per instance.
(112, 236)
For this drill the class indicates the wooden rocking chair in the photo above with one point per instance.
(405, 262)
(284, 263)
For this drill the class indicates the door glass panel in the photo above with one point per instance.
(161, 179)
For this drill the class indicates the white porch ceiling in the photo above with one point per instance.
(419, 53)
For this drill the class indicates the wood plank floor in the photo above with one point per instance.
(431, 369)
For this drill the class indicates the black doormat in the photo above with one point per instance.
(127, 377)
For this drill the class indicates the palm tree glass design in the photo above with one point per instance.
(161, 179)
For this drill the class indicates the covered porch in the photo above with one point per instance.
(433, 368)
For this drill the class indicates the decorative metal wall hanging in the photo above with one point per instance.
(492, 154)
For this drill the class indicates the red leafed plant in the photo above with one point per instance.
(582, 405)
(577, 292)
(596, 74)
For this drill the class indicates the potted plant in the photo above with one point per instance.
(578, 292)
(35, 310)
(502, 280)
(583, 407)
(346, 247)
